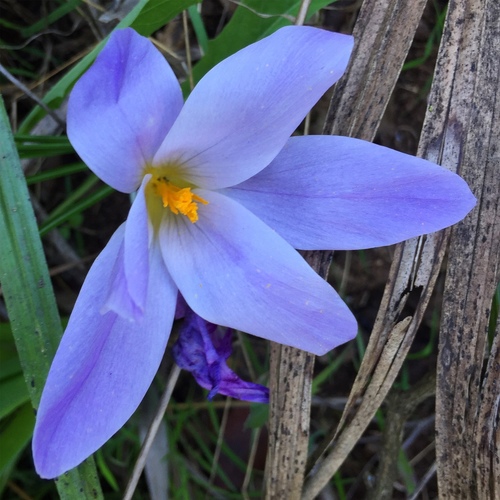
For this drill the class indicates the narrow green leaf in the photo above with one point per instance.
(329, 370)
(199, 28)
(23, 272)
(13, 393)
(55, 173)
(32, 146)
(258, 416)
(15, 434)
(407, 472)
(40, 139)
(151, 15)
(9, 360)
(12, 26)
(105, 471)
(76, 193)
(10, 367)
(52, 17)
(77, 208)
(29, 297)
(44, 150)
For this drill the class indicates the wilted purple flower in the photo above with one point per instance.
(202, 349)
(223, 198)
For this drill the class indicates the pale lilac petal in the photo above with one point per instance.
(324, 192)
(202, 349)
(138, 232)
(242, 112)
(234, 271)
(103, 367)
(121, 109)
(119, 299)
(128, 293)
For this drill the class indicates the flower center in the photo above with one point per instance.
(179, 200)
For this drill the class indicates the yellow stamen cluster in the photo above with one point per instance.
(179, 200)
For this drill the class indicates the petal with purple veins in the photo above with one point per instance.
(103, 367)
(128, 292)
(339, 193)
(235, 271)
(121, 109)
(242, 112)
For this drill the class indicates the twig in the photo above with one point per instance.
(251, 461)
(468, 392)
(220, 439)
(30, 94)
(421, 485)
(301, 16)
(261, 14)
(150, 436)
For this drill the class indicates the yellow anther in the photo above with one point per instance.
(179, 200)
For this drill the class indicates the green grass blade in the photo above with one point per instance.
(56, 14)
(42, 146)
(199, 28)
(13, 394)
(15, 434)
(55, 173)
(77, 208)
(29, 297)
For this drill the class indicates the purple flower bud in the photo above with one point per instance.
(202, 349)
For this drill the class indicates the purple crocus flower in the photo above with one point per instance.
(202, 349)
(223, 198)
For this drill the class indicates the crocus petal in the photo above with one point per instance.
(234, 271)
(231, 385)
(103, 367)
(241, 113)
(129, 290)
(324, 192)
(201, 350)
(121, 109)
(119, 299)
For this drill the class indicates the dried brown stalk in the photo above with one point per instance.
(383, 33)
(453, 136)
(468, 391)
(291, 375)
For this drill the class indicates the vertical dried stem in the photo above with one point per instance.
(150, 436)
(291, 376)
(291, 379)
(468, 390)
(383, 33)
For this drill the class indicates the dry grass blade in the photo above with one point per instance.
(383, 34)
(389, 344)
(415, 268)
(468, 394)
(444, 140)
(151, 434)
